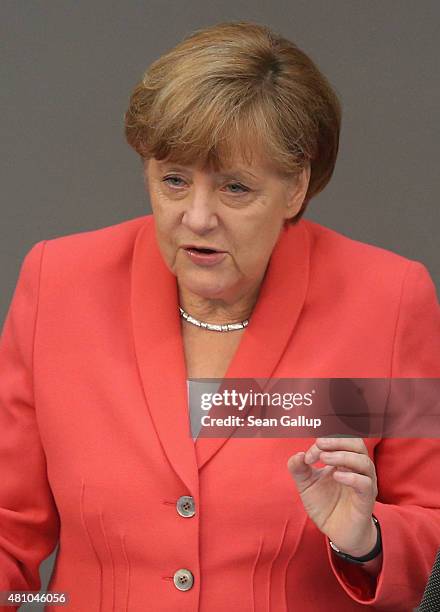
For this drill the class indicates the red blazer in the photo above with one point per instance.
(95, 447)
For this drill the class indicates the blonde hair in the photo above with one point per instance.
(237, 87)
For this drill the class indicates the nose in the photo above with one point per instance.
(200, 214)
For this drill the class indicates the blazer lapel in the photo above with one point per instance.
(159, 347)
(159, 351)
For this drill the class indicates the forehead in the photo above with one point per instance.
(225, 171)
(252, 165)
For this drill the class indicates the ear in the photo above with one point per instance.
(296, 192)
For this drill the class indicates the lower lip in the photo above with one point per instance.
(205, 259)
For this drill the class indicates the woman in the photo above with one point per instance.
(237, 130)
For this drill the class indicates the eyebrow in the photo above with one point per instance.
(226, 174)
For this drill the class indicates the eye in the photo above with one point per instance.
(169, 180)
(176, 181)
(242, 188)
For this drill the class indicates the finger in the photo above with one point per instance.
(353, 444)
(362, 485)
(356, 445)
(303, 474)
(355, 462)
(299, 470)
(312, 454)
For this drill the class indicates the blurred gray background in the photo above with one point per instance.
(68, 69)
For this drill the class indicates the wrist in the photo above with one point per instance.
(366, 545)
(370, 551)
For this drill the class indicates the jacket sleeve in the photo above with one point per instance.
(408, 469)
(29, 521)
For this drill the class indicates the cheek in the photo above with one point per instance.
(252, 252)
(165, 232)
(259, 239)
(166, 217)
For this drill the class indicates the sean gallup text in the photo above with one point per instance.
(252, 421)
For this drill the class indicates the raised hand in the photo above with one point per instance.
(339, 498)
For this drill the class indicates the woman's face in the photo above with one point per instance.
(238, 213)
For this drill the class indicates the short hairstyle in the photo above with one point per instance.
(237, 87)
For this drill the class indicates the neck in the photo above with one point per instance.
(217, 310)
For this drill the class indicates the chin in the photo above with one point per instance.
(207, 290)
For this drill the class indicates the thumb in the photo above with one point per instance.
(300, 471)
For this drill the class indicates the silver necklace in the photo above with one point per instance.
(212, 326)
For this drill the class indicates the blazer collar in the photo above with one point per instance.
(159, 347)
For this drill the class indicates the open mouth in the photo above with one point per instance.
(204, 256)
(205, 251)
(197, 250)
